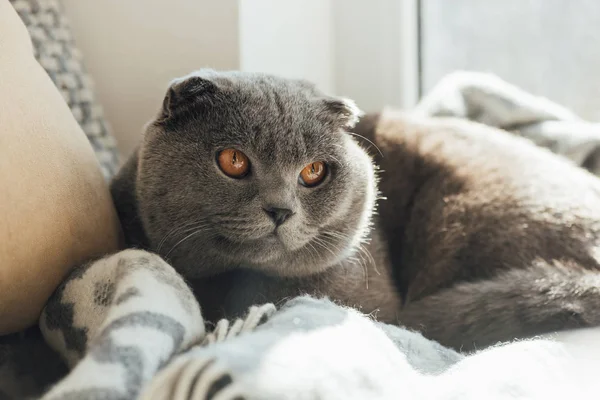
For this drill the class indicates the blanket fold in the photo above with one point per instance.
(485, 98)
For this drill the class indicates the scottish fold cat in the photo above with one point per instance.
(258, 188)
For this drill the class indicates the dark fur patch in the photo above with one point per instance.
(104, 293)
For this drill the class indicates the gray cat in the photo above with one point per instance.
(257, 188)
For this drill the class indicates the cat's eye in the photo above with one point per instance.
(313, 174)
(233, 163)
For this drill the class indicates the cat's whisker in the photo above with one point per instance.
(257, 228)
(331, 241)
(361, 248)
(340, 250)
(324, 245)
(313, 253)
(362, 264)
(356, 260)
(249, 233)
(361, 252)
(230, 219)
(165, 237)
(197, 231)
(362, 137)
(336, 159)
(337, 235)
(178, 230)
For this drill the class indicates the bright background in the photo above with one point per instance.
(133, 48)
(378, 52)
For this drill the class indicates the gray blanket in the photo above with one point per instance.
(487, 99)
(128, 326)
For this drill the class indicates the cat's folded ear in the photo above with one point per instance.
(345, 111)
(185, 96)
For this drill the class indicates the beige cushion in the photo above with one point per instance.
(55, 208)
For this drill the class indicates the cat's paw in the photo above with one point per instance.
(196, 375)
(225, 330)
(193, 376)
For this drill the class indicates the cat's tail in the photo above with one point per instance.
(519, 303)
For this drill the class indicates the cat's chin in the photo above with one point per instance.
(291, 266)
(284, 253)
(270, 246)
(263, 250)
(271, 257)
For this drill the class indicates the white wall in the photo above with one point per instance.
(291, 38)
(133, 48)
(356, 48)
(373, 60)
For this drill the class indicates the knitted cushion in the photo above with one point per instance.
(56, 51)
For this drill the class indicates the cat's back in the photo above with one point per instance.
(465, 201)
(476, 155)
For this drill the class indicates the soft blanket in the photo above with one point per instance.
(127, 326)
(487, 99)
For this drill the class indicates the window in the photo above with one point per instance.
(547, 47)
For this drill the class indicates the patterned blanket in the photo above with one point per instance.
(127, 326)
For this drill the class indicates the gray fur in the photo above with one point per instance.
(282, 126)
(466, 205)
(539, 299)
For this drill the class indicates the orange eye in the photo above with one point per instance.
(313, 174)
(233, 163)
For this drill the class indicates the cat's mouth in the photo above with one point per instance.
(284, 252)
(273, 236)
(271, 240)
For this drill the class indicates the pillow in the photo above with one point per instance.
(55, 50)
(55, 208)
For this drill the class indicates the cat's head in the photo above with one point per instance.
(251, 170)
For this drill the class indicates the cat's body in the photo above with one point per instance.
(481, 236)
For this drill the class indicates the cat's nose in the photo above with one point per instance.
(278, 215)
